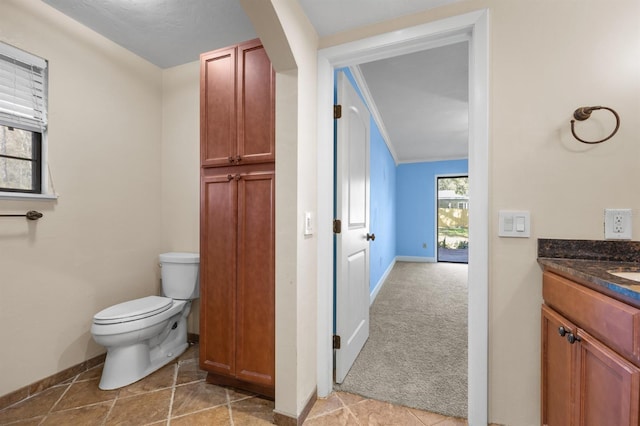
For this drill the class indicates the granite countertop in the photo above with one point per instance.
(588, 262)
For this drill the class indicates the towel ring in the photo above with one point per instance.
(584, 113)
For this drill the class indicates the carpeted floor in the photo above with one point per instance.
(416, 354)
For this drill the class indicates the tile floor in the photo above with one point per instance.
(177, 394)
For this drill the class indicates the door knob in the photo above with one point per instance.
(371, 237)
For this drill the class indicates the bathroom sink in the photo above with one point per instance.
(629, 275)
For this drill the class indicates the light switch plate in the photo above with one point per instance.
(514, 224)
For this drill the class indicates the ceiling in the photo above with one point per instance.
(421, 98)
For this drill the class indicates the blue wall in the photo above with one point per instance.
(415, 205)
(383, 211)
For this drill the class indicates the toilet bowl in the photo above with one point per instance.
(142, 335)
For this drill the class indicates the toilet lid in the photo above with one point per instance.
(133, 310)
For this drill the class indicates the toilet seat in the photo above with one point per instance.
(133, 310)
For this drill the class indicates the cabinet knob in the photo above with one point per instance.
(230, 159)
(371, 237)
(562, 331)
(572, 338)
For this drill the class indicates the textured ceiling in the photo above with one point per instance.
(164, 32)
(334, 16)
(422, 97)
(423, 100)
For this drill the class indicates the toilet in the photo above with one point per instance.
(145, 334)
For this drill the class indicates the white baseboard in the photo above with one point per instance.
(380, 283)
(416, 259)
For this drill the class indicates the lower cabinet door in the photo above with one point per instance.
(255, 323)
(218, 248)
(608, 386)
(557, 369)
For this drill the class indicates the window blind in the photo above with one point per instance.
(23, 89)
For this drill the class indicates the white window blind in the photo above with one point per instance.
(23, 89)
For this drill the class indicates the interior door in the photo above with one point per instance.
(352, 243)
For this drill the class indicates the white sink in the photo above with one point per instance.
(630, 275)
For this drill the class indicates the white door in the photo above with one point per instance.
(352, 243)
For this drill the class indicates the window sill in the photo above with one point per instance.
(27, 197)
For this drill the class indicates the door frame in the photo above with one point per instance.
(472, 27)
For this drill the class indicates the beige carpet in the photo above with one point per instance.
(416, 354)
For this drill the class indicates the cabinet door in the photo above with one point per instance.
(256, 100)
(608, 386)
(218, 222)
(218, 109)
(558, 359)
(255, 344)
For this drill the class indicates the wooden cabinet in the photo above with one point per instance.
(237, 106)
(237, 220)
(584, 381)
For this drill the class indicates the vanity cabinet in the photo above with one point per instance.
(590, 373)
(237, 106)
(237, 219)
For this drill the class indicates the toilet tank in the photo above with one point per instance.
(180, 275)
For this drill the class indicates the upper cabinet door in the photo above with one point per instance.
(218, 97)
(237, 106)
(256, 105)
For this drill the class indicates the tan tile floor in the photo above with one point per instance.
(177, 394)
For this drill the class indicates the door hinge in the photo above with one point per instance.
(336, 341)
(337, 226)
(337, 112)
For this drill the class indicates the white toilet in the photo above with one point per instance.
(144, 334)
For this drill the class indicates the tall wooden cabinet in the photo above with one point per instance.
(237, 218)
(590, 357)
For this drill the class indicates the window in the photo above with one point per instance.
(23, 121)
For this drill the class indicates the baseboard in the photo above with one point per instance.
(416, 259)
(381, 282)
(59, 377)
(286, 420)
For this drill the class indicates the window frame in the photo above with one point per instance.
(38, 127)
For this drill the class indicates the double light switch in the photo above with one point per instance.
(514, 224)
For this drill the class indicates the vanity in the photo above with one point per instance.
(590, 359)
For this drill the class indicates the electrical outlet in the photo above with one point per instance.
(617, 224)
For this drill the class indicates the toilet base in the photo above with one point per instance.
(128, 364)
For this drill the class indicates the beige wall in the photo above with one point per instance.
(546, 59)
(98, 243)
(180, 164)
(304, 41)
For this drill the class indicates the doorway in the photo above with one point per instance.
(472, 27)
(452, 213)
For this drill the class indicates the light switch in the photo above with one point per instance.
(508, 223)
(308, 223)
(515, 224)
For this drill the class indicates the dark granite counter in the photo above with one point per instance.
(588, 262)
